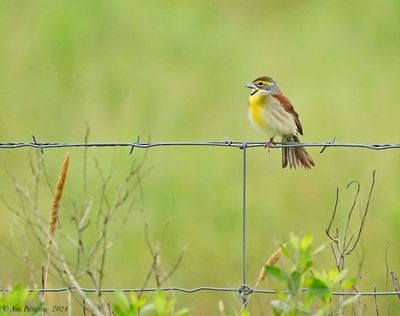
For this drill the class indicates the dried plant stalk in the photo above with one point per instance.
(54, 214)
(272, 260)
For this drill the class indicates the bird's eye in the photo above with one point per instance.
(260, 84)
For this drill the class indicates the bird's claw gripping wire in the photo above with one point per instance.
(269, 144)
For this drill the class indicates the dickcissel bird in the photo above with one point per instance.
(272, 112)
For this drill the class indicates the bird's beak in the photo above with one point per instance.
(251, 86)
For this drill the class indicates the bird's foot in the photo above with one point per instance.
(269, 144)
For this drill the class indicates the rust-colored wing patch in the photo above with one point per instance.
(287, 105)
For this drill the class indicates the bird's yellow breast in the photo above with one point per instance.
(257, 103)
(267, 113)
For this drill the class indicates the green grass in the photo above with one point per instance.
(176, 71)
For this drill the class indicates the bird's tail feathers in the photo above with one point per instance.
(295, 156)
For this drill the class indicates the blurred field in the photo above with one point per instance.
(176, 71)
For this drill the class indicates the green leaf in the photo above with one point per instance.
(305, 264)
(118, 310)
(140, 302)
(121, 300)
(284, 249)
(170, 306)
(308, 300)
(148, 309)
(280, 306)
(294, 282)
(319, 289)
(347, 284)
(306, 242)
(185, 312)
(277, 274)
(245, 312)
(160, 302)
(16, 297)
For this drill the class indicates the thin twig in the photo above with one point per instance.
(69, 303)
(395, 282)
(175, 267)
(85, 152)
(376, 303)
(387, 264)
(364, 216)
(333, 238)
(342, 246)
(346, 245)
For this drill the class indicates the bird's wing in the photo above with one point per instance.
(287, 105)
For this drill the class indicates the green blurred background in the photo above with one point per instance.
(176, 70)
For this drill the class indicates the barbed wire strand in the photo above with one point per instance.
(243, 290)
(193, 290)
(225, 143)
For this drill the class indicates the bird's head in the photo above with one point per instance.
(263, 84)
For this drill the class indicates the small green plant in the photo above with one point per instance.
(302, 290)
(19, 301)
(132, 305)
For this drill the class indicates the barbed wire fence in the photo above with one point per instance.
(244, 289)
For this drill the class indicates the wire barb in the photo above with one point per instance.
(228, 141)
(134, 145)
(36, 143)
(328, 143)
